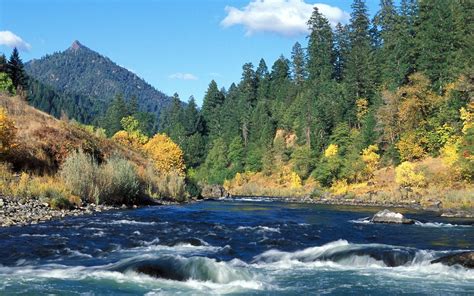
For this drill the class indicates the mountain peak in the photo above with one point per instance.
(76, 45)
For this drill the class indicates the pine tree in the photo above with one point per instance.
(359, 76)
(210, 109)
(3, 63)
(16, 71)
(114, 114)
(298, 63)
(341, 50)
(320, 47)
(438, 42)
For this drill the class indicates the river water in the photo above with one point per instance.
(239, 247)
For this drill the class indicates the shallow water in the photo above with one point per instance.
(236, 247)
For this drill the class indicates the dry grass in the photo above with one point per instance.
(43, 142)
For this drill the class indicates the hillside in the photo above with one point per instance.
(86, 79)
(43, 142)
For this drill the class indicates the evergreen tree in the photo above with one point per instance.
(388, 21)
(359, 75)
(210, 109)
(341, 50)
(298, 63)
(114, 114)
(438, 43)
(320, 47)
(3, 63)
(16, 71)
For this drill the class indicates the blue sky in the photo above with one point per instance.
(176, 46)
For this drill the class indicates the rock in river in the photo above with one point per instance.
(465, 259)
(214, 191)
(387, 216)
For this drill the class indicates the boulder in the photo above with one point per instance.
(214, 191)
(387, 216)
(465, 259)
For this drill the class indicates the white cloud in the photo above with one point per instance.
(284, 17)
(8, 38)
(183, 76)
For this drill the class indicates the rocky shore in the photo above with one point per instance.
(32, 211)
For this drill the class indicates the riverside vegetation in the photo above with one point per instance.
(379, 110)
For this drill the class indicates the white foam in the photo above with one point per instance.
(259, 229)
(131, 222)
(438, 224)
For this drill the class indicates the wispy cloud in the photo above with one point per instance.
(283, 17)
(183, 76)
(8, 38)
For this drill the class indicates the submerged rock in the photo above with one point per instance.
(161, 272)
(465, 259)
(387, 216)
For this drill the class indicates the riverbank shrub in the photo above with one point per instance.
(80, 172)
(406, 174)
(113, 182)
(7, 132)
(161, 186)
(118, 182)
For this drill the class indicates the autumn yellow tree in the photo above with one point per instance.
(167, 156)
(371, 160)
(7, 132)
(131, 135)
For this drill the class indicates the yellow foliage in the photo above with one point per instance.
(362, 108)
(467, 116)
(449, 153)
(7, 132)
(340, 187)
(407, 175)
(371, 159)
(331, 150)
(167, 156)
(295, 180)
(134, 140)
(410, 147)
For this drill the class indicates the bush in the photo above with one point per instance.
(407, 175)
(159, 185)
(61, 203)
(7, 132)
(118, 182)
(80, 174)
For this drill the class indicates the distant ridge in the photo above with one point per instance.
(91, 80)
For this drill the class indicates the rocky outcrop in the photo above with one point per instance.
(214, 191)
(465, 259)
(387, 216)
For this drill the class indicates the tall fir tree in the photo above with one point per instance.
(341, 50)
(320, 48)
(359, 71)
(16, 71)
(212, 102)
(298, 64)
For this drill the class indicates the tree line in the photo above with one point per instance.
(393, 84)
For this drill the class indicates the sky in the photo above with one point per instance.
(176, 46)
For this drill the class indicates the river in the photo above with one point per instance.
(239, 247)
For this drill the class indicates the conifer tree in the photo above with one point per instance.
(359, 76)
(320, 47)
(16, 71)
(298, 63)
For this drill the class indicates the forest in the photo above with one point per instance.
(378, 92)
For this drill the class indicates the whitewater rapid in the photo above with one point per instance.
(241, 248)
